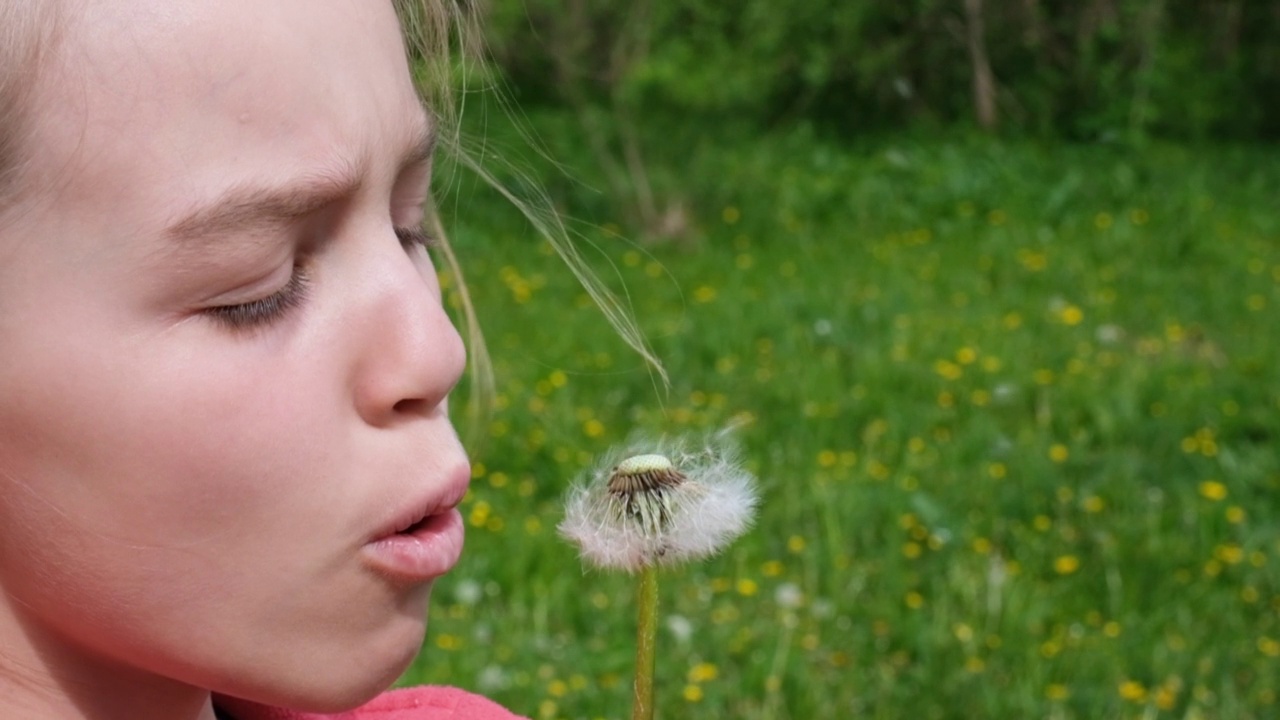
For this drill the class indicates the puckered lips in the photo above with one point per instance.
(423, 538)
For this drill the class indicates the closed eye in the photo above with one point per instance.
(261, 312)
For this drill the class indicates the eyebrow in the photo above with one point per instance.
(246, 209)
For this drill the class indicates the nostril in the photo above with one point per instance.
(415, 406)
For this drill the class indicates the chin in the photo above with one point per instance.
(359, 684)
(344, 682)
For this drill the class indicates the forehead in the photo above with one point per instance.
(154, 102)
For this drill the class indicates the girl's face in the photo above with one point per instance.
(222, 369)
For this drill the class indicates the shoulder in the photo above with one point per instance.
(432, 702)
(415, 703)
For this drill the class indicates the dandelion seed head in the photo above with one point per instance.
(664, 501)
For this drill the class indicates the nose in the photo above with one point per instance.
(411, 354)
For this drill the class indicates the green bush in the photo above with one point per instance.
(1094, 70)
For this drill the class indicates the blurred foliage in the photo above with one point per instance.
(1100, 69)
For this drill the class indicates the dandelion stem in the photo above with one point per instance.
(646, 640)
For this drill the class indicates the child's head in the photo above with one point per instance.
(223, 356)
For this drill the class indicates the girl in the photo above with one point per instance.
(227, 475)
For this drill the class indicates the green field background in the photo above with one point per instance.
(1013, 407)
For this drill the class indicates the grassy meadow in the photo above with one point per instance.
(1014, 410)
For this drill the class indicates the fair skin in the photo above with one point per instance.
(191, 476)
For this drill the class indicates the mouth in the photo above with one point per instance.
(418, 511)
(423, 539)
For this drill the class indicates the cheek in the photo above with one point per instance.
(186, 445)
(161, 480)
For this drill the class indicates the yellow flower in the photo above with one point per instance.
(1033, 261)
(593, 428)
(1057, 691)
(480, 513)
(1166, 698)
(1066, 564)
(1213, 490)
(1071, 315)
(1268, 646)
(703, 672)
(1133, 691)
(1229, 553)
(1059, 453)
(948, 369)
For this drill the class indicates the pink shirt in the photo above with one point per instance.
(416, 703)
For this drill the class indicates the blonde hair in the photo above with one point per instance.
(445, 36)
(444, 42)
(26, 32)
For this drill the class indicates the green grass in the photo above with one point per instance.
(1014, 410)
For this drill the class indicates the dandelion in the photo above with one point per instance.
(1213, 490)
(1066, 564)
(647, 504)
(1133, 691)
(1057, 691)
(665, 507)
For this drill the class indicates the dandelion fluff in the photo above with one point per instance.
(660, 502)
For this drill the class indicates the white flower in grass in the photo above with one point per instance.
(662, 502)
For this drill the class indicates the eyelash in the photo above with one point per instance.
(410, 236)
(245, 316)
(249, 315)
